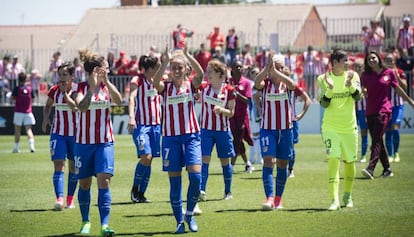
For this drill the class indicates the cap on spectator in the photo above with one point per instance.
(407, 19)
(35, 71)
(15, 56)
(122, 53)
(263, 48)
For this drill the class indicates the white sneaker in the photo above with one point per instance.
(228, 196)
(203, 196)
(334, 206)
(59, 204)
(291, 174)
(197, 211)
(249, 169)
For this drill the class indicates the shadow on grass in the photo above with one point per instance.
(145, 233)
(132, 203)
(64, 235)
(33, 210)
(309, 210)
(149, 215)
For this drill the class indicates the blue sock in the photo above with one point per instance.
(267, 177)
(292, 160)
(396, 139)
(145, 180)
(389, 143)
(104, 205)
(84, 199)
(204, 176)
(139, 174)
(72, 183)
(58, 183)
(176, 199)
(193, 190)
(228, 176)
(280, 181)
(364, 144)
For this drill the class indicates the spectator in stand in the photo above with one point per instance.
(365, 32)
(376, 37)
(62, 140)
(405, 36)
(132, 68)
(246, 58)
(392, 132)
(34, 79)
(111, 63)
(4, 83)
(239, 123)
(232, 46)
(121, 64)
(203, 56)
(290, 62)
(95, 153)
(23, 96)
(218, 55)
(310, 71)
(180, 36)
(14, 70)
(216, 39)
(262, 58)
(377, 82)
(53, 67)
(154, 52)
(79, 75)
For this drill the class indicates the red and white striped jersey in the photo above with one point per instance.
(397, 100)
(147, 102)
(94, 125)
(209, 99)
(376, 39)
(277, 108)
(64, 120)
(179, 116)
(405, 37)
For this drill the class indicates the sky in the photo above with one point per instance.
(57, 12)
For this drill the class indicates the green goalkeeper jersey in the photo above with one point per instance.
(339, 116)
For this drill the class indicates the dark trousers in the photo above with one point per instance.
(376, 126)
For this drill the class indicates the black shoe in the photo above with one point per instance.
(135, 195)
(368, 173)
(143, 199)
(387, 173)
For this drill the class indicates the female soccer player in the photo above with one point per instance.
(94, 139)
(144, 124)
(61, 139)
(276, 128)
(218, 101)
(181, 144)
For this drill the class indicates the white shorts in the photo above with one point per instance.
(20, 119)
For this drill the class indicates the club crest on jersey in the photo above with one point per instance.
(386, 78)
(328, 151)
(165, 163)
(241, 87)
(265, 148)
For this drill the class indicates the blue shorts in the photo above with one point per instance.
(223, 141)
(147, 139)
(396, 115)
(295, 131)
(277, 143)
(92, 159)
(61, 146)
(361, 119)
(179, 151)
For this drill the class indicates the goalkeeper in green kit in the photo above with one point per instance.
(339, 89)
